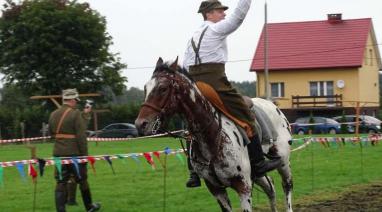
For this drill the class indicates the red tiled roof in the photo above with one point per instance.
(313, 44)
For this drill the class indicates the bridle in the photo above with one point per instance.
(166, 107)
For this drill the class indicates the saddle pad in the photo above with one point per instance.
(213, 97)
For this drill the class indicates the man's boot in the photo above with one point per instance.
(71, 189)
(260, 166)
(87, 199)
(193, 181)
(60, 198)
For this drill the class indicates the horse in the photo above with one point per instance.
(218, 152)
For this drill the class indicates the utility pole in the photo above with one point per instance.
(266, 77)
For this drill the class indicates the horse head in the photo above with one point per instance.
(163, 93)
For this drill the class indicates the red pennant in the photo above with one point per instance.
(92, 162)
(156, 154)
(149, 159)
(32, 172)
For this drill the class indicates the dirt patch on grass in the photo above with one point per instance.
(357, 198)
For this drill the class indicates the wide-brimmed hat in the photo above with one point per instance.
(70, 94)
(209, 5)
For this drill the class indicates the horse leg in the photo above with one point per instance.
(266, 183)
(220, 195)
(287, 183)
(244, 190)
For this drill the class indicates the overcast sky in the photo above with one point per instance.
(143, 30)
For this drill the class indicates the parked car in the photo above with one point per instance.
(367, 124)
(319, 125)
(118, 130)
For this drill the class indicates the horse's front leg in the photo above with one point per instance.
(221, 196)
(244, 190)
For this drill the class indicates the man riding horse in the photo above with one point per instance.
(205, 59)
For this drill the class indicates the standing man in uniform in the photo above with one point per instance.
(205, 58)
(68, 126)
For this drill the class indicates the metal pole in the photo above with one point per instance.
(266, 77)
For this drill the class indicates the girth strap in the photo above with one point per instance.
(196, 49)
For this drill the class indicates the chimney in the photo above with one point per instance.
(335, 18)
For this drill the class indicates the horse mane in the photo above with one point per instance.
(166, 67)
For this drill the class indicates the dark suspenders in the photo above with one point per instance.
(196, 49)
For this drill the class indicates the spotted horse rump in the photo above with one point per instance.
(217, 152)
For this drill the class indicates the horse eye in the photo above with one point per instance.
(162, 89)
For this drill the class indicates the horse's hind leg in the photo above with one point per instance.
(221, 196)
(287, 183)
(266, 183)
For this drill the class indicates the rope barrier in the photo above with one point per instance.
(89, 139)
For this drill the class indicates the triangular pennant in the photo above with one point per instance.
(180, 157)
(32, 172)
(149, 159)
(135, 158)
(167, 150)
(41, 165)
(1, 176)
(20, 168)
(108, 159)
(92, 162)
(57, 163)
(75, 163)
(122, 158)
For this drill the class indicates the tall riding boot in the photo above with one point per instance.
(87, 199)
(71, 189)
(60, 198)
(260, 166)
(194, 180)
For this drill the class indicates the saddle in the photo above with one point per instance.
(215, 100)
(264, 128)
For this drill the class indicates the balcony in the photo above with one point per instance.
(317, 101)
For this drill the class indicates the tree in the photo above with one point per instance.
(50, 45)
(246, 88)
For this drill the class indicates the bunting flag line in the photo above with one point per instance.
(89, 139)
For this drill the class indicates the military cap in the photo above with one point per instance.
(70, 94)
(209, 5)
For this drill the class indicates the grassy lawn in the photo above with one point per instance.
(136, 187)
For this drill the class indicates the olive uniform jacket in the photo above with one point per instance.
(70, 138)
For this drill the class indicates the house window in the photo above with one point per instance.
(321, 88)
(277, 89)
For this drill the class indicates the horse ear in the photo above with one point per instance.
(174, 65)
(159, 62)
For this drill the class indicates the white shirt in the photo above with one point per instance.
(213, 47)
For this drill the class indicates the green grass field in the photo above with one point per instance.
(317, 171)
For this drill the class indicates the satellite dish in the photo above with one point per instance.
(340, 84)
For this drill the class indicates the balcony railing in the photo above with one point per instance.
(317, 101)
